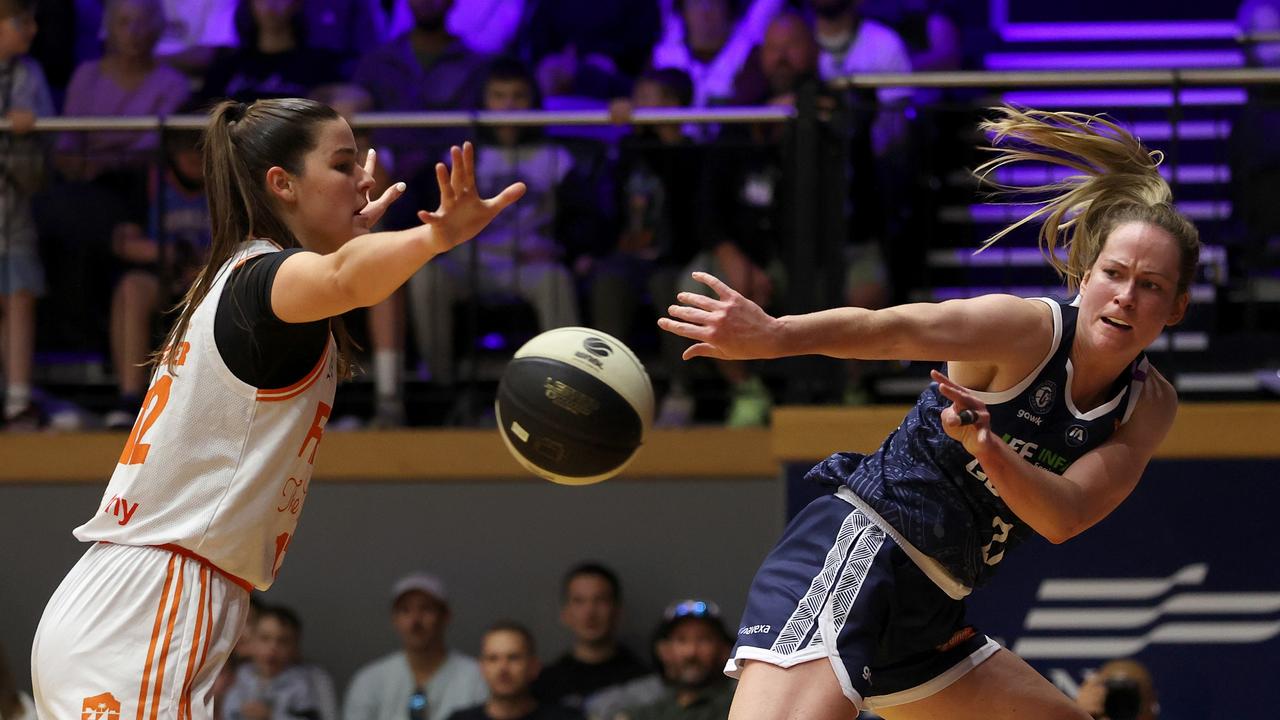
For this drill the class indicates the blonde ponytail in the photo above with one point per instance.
(1116, 179)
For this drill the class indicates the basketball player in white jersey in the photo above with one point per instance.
(206, 496)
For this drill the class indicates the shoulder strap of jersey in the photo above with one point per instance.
(1138, 376)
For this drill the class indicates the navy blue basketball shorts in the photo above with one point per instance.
(838, 587)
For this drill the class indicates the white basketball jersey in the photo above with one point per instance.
(215, 466)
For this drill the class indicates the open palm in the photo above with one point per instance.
(463, 213)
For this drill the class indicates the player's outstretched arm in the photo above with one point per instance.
(1059, 507)
(991, 328)
(368, 268)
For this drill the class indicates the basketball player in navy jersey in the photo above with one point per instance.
(1044, 421)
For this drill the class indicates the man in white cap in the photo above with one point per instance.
(424, 680)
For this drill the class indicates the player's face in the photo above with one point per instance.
(419, 620)
(508, 664)
(330, 189)
(693, 654)
(275, 646)
(1131, 292)
(590, 610)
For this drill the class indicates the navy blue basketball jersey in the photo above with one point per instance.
(935, 494)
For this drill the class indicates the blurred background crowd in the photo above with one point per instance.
(847, 195)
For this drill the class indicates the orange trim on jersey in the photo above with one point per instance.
(155, 636)
(178, 549)
(184, 699)
(168, 639)
(299, 387)
(208, 627)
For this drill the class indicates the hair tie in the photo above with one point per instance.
(235, 112)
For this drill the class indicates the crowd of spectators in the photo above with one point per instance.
(679, 677)
(612, 221)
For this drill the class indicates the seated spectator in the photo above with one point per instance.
(590, 607)
(518, 254)
(711, 40)
(15, 704)
(586, 52)
(274, 59)
(241, 653)
(22, 164)
(488, 27)
(852, 44)
(274, 685)
(159, 264)
(742, 221)
(693, 647)
(788, 64)
(196, 31)
(661, 181)
(509, 662)
(424, 680)
(425, 68)
(385, 321)
(344, 27)
(127, 80)
(1120, 690)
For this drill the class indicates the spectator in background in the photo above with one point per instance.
(1120, 690)
(127, 80)
(386, 319)
(710, 40)
(932, 35)
(194, 32)
(586, 52)
(509, 662)
(274, 685)
(693, 647)
(241, 653)
(425, 68)
(519, 254)
(488, 27)
(935, 146)
(424, 680)
(22, 163)
(590, 607)
(742, 223)
(15, 704)
(274, 59)
(159, 264)
(660, 184)
(344, 27)
(852, 44)
(787, 63)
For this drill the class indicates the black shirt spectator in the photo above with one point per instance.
(569, 680)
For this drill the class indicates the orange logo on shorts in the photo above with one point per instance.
(960, 636)
(101, 707)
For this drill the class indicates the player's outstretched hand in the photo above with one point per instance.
(373, 211)
(729, 328)
(463, 213)
(966, 419)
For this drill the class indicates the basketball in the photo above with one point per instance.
(574, 405)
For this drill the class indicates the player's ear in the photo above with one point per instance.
(280, 184)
